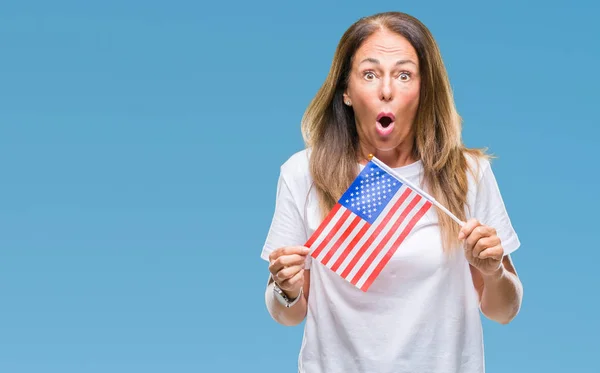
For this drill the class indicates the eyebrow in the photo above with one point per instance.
(376, 61)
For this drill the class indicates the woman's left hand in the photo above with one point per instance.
(483, 248)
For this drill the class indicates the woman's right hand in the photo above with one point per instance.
(286, 265)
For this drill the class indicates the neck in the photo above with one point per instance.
(397, 157)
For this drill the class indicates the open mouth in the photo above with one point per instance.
(385, 124)
(385, 119)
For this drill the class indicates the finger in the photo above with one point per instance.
(466, 229)
(288, 250)
(294, 282)
(478, 233)
(495, 252)
(286, 261)
(484, 243)
(288, 273)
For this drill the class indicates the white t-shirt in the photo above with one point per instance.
(421, 314)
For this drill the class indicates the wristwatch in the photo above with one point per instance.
(283, 298)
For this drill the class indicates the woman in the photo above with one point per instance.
(387, 94)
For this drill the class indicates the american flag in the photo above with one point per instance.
(367, 225)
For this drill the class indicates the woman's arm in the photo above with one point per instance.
(500, 293)
(295, 314)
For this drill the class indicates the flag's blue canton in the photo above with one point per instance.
(370, 192)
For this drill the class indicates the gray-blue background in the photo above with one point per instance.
(139, 150)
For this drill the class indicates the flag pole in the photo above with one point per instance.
(417, 189)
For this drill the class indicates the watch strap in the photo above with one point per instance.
(283, 298)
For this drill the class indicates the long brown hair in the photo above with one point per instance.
(329, 129)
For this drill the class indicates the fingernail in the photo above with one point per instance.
(461, 235)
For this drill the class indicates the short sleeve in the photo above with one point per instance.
(287, 226)
(490, 210)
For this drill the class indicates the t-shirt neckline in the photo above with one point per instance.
(408, 170)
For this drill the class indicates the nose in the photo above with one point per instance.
(386, 93)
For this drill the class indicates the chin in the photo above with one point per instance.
(386, 146)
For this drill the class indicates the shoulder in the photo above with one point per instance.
(477, 166)
(296, 161)
(295, 170)
(295, 177)
(486, 203)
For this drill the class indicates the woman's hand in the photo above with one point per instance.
(483, 248)
(286, 265)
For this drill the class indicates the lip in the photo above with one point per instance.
(384, 132)
(384, 114)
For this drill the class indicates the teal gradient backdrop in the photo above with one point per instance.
(140, 144)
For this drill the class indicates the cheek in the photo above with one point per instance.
(364, 103)
(410, 97)
(365, 96)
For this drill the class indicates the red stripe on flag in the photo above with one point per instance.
(315, 235)
(395, 246)
(350, 246)
(385, 239)
(374, 235)
(332, 232)
(341, 239)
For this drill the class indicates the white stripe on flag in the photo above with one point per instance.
(392, 239)
(340, 231)
(380, 236)
(328, 228)
(346, 242)
(368, 233)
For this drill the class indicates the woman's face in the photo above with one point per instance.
(383, 90)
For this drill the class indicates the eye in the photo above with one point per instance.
(369, 75)
(405, 77)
